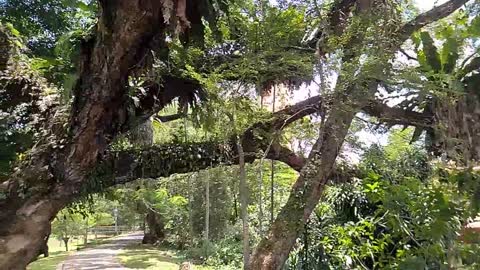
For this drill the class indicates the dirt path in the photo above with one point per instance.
(102, 256)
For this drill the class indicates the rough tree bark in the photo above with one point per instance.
(273, 250)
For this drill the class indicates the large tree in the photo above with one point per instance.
(68, 157)
(59, 164)
(350, 96)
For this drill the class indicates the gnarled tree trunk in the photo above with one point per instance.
(273, 250)
(156, 228)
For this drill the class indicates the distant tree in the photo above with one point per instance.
(67, 226)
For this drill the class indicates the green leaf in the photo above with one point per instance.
(13, 30)
(81, 5)
(413, 263)
(431, 52)
(450, 54)
(416, 40)
(474, 28)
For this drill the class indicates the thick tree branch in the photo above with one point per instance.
(157, 96)
(384, 113)
(163, 160)
(397, 116)
(431, 16)
(170, 117)
(336, 22)
(124, 166)
(157, 161)
(473, 65)
(120, 167)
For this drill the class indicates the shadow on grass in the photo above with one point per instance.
(49, 262)
(149, 257)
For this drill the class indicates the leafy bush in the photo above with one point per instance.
(392, 218)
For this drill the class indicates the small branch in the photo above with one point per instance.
(169, 118)
(298, 48)
(407, 55)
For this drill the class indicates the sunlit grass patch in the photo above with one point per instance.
(149, 257)
(49, 262)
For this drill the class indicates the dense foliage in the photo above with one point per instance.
(401, 215)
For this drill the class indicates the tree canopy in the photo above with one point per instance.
(100, 97)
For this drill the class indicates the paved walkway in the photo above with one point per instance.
(100, 257)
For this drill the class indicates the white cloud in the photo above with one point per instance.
(425, 5)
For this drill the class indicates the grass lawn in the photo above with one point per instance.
(58, 254)
(49, 263)
(149, 257)
(56, 250)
